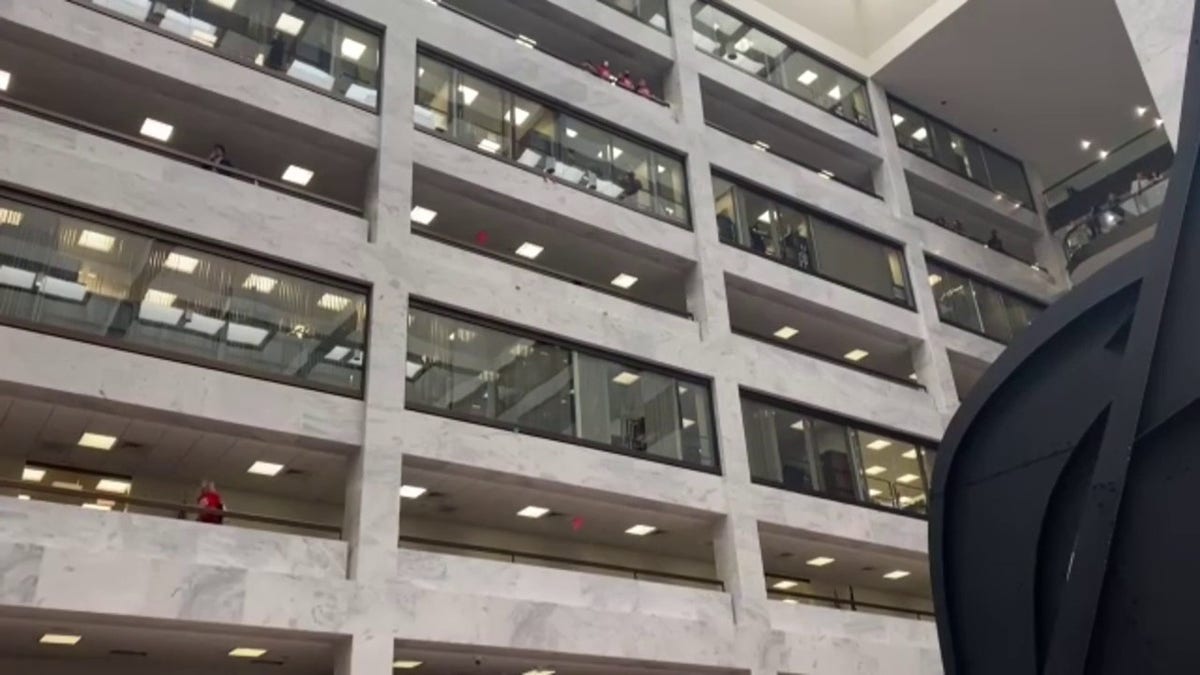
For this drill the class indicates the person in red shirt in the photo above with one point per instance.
(604, 71)
(210, 499)
(643, 88)
(625, 81)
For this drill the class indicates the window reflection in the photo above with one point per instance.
(809, 242)
(783, 64)
(287, 37)
(92, 281)
(488, 118)
(800, 451)
(652, 12)
(979, 307)
(477, 371)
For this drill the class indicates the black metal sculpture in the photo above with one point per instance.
(1064, 528)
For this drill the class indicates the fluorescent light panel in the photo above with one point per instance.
(786, 333)
(529, 250)
(785, 584)
(920, 134)
(412, 491)
(875, 470)
(97, 441)
(625, 281)
(878, 444)
(641, 530)
(262, 468)
(298, 175)
(181, 263)
(5, 79)
(896, 574)
(820, 561)
(857, 354)
(422, 215)
(247, 652)
(97, 241)
(260, 283)
(60, 639)
(626, 378)
(32, 474)
(159, 131)
(897, 119)
(406, 665)
(333, 302)
(112, 485)
(908, 478)
(533, 512)
(289, 24)
(807, 77)
(353, 49)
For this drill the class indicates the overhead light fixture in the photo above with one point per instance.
(910, 454)
(641, 530)
(785, 584)
(533, 512)
(935, 279)
(897, 119)
(662, 169)
(97, 241)
(875, 470)
(412, 491)
(353, 49)
(14, 217)
(571, 133)
(298, 175)
(24, 497)
(827, 174)
(1103, 154)
(422, 215)
(96, 441)
(260, 283)
(762, 146)
(33, 475)
(878, 444)
(519, 114)
(626, 378)
(406, 664)
(526, 41)
(836, 93)
(807, 77)
(333, 302)
(112, 485)
(743, 45)
(1141, 111)
(687, 423)
(411, 369)
(1158, 122)
(289, 24)
(159, 131)
(529, 250)
(908, 478)
(765, 217)
(223, 4)
(920, 134)
(181, 263)
(798, 426)
(857, 355)
(90, 506)
(896, 574)
(247, 652)
(873, 492)
(5, 79)
(625, 281)
(538, 671)
(1085, 144)
(820, 561)
(488, 145)
(262, 468)
(468, 94)
(912, 376)
(786, 333)
(60, 639)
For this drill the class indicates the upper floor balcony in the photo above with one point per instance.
(977, 306)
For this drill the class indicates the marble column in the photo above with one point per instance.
(1046, 248)
(365, 653)
(1160, 31)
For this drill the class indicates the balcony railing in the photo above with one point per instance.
(312, 47)
(1114, 220)
(979, 307)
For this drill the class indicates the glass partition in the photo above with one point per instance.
(86, 279)
(769, 57)
(964, 155)
(482, 115)
(652, 12)
(810, 242)
(805, 452)
(980, 307)
(469, 369)
(308, 45)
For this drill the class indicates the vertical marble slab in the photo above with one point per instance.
(1160, 31)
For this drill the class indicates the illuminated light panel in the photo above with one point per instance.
(33, 475)
(247, 652)
(412, 491)
(875, 470)
(353, 49)
(908, 478)
(159, 131)
(786, 333)
(488, 145)
(626, 378)
(260, 283)
(298, 175)
(807, 77)
(289, 24)
(641, 530)
(820, 561)
(120, 487)
(5, 79)
(60, 639)
(96, 507)
(920, 134)
(14, 217)
(262, 468)
(422, 215)
(896, 574)
(911, 454)
(897, 119)
(798, 426)
(96, 441)
(785, 584)
(405, 665)
(935, 279)
(529, 250)
(97, 241)
(836, 93)
(878, 444)
(181, 263)
(333, 302)
(857, 355)
(469, 94)
(533, 512)
(625, 281)
(223, 4)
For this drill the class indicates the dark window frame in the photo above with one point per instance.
(666, 15)
(977, 279)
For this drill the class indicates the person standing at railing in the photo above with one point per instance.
(1136, 188)
(210, 499)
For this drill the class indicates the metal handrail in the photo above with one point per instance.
(854, 605)
(171, 153)
(513, 556)
(26, 486)
(1082, 222)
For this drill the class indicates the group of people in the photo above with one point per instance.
(604, 71)
(955, 225)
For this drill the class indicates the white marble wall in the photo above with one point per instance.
(1160, 31)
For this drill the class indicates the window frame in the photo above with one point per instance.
(1004, 291)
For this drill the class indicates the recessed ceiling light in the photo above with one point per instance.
(786, 333)
(857, 355)
(878, 444)
(1141, 111)
(762, 145)
(412, 491)
(247, 652)
(625, 281)
(289, 24)
(422, 215)
(159, 131)
(836, 93)
(908, 478)
(60, 639)
(827, 174)
(910, 454)
(223, 4)
(333, 302)
(896, 574)
(533, 512)
(662, 169)
(262, 468)
(538, 671)
(112, 485)
(526, 41)
(528, 250)
(1085, 144)
(798, 426)
(873, 492)
(488, 145)
(785, 584)
(935, 279)
(298, 175)
(95, 507)
(5, 78)
(807, 77)
(625, 377)
(875, 470)
(353, 49)
(24, 497)
(468, 94)
(765, 216)
(33, 475)
(687, 423)
(641, 530)
(519, 113)
(743, 45)
(97, 441)
(819, 561)
(407, 664)
(897, 120)
(571, 133)
(791, 601)
(181, 263)
(912, 376)
(920, 134)
(260, 283)
(1158, 121)
(11, 217)
(97, 241)
(1103, 154)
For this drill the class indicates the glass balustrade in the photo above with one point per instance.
(85, 278)
(979, 307)
(651, 12)
(314, 47)
(816, 454)
(766, 55)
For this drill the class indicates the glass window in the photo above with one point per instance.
(1007, 176)
(955, 298)
(729, 223)
(535, 131)
(670, 188)
(912, 131)
(860, 262)
(993, 313)
(777, 441)
(892, 471)
(519, 382)
(290, 38)
(653, 12)
(434, 94)
(979, 306)
(94, 281)
(836, 472)
(482, 114)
